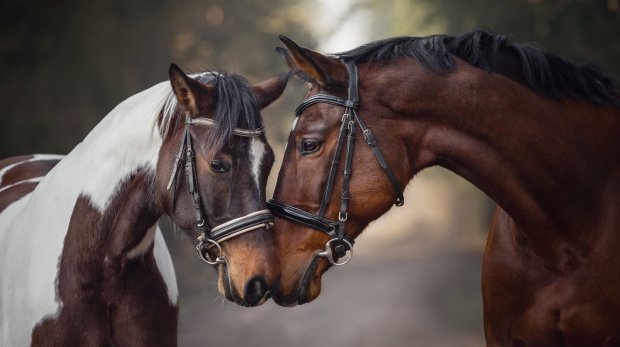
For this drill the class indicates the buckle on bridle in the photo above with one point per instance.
(343, 248)
(369, 137)
(203, 246)
(350, 104)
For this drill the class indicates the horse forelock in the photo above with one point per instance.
(234, 106)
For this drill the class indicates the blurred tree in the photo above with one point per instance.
(66, 63)
(577, 30)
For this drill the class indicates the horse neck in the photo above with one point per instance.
(99, 197)
(547, 163)
(100, 244)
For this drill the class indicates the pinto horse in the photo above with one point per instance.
(82, 260)
(539, 135)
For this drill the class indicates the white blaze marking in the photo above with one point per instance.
(257, 152)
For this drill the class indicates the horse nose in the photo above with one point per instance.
(255, 291)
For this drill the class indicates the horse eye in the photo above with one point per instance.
(219, 166)
(310, 146)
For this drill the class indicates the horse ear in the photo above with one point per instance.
(268, 91)
(314, 66)
(188, 91)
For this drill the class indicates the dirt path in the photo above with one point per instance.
(430, 300)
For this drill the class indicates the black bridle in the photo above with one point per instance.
(212, 237)
(339, 244)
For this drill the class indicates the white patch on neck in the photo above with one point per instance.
(144, 245)
(257, 152)
(165, 267)
(162, 259)
(124, 141)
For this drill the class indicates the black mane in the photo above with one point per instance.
(543, 72)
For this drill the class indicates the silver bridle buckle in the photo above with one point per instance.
(329, 254)
(202, 247)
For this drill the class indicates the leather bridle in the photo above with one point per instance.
(340, 245)
(212, 237)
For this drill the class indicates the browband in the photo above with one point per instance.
(236, 131)
(324, 98)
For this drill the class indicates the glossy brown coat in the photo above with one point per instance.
(551, 269)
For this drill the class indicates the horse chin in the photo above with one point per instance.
(308, 287)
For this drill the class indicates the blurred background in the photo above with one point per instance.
(415, 279)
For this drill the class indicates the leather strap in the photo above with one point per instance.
(241, 225)
(325, 99)
(346, 118)
(372, 143)
(353, 83)
(300, 216)
(192, 181)
(236, 131)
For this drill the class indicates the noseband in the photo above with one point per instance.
(212, 237)
(340, 245)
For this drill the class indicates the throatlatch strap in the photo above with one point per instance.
(372, 143)
(370, 139)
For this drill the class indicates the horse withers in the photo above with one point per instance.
(82, 260)
(539, 135)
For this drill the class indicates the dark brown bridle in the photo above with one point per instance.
(339, 244)
(212, 237)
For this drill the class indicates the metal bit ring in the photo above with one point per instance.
(327, 253)
(202, 248)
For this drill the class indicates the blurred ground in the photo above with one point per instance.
(414, 281)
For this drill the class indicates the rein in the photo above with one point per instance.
(340, 245)
(212, 237)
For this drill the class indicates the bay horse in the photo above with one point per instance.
(82, 260)
(539, 135)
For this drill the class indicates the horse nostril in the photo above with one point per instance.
(255, 290)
